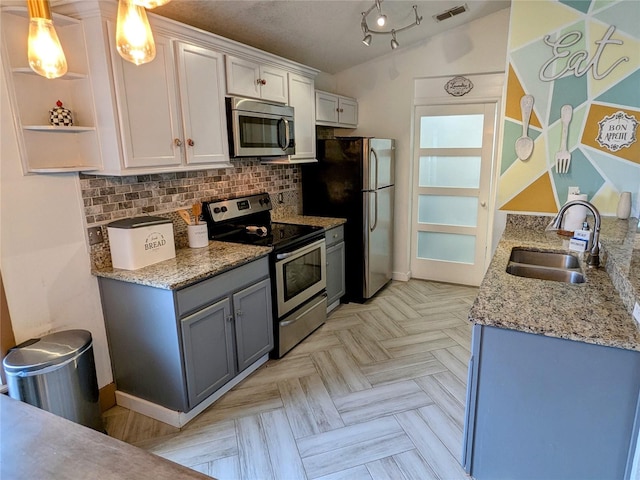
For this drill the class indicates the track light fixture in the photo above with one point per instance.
(394, 42)
(382, 21)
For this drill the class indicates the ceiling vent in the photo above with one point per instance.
(452, 12)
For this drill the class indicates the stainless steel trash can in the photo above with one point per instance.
(57, 373)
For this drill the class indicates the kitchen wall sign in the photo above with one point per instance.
(617, 131)
(576, 61)
(458, 86)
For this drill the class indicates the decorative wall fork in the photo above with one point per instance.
(563, 157)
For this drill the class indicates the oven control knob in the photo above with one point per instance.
(224, 209)
(266, 200)
(216, 210)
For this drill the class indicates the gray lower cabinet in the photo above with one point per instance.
(176, 348)
(336, 287)
(542, 407)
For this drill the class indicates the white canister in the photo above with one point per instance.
(624, 206)
(576, 215)
(198, 235)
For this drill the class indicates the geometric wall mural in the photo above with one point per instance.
(585, 54)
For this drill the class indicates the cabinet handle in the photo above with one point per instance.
(230, 318)
(190, 142)
(177, 142)
(238, 313)
(261, 81)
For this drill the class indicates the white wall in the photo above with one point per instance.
(43, 253)
(384, 89)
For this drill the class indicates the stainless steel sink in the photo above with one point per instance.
(544, 259)
(555, 266)
(545, 273)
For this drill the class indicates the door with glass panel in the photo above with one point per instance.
(453, 158)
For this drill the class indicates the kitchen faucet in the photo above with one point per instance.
(593, 259)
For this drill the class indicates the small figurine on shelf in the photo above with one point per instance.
(60, 116)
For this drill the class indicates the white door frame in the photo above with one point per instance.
(487, 88)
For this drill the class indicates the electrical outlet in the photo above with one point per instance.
(95, 235)
(573, 190)
(636, 312)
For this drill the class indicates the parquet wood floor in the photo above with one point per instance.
(376, 393)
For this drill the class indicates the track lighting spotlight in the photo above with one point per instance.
(394, 42)
(381, 21)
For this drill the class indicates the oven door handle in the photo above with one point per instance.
(299, 251)
(282, 256)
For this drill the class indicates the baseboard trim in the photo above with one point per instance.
(180, 419)
(107, 397)
(401, 276)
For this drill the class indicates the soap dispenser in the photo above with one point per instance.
(585, 235)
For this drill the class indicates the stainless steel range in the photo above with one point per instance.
(297, 263)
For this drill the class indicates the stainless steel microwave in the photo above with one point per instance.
(259, 129)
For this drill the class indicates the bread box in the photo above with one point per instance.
(140, 241)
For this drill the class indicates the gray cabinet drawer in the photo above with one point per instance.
(207, 291)
(334, 235)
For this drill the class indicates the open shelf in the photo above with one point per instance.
(46, 148)
(66, 76)
(53, 128)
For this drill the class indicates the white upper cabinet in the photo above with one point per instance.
(250, 79)
(171, 110)
(201, 84)
(336, 110)
(46, 148)
(301, 98)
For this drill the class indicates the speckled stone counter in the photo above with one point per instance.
(325, 222)
(190, 265)
(591, 312)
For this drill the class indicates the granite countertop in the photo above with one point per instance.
(194, 264)
(596, 311)
(325, 222)
(189, 266)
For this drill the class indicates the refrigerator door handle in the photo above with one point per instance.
(374, 224)
(374, 155)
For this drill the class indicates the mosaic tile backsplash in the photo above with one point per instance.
(111, 198)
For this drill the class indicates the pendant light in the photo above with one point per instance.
(134, 39)
(44, 51)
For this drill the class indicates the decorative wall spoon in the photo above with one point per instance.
(524, 145)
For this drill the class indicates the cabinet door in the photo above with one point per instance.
(273, 85)
(335, 273)
(201, 83)
(348, 111)
(254, 323)
(242, 77)
(326, 107)
(207, 339)
(301, 98)
(148, 107)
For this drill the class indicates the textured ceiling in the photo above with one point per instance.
(324, 34)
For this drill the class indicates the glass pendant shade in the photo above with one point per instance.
(44, 51)
(150, 4)
(134, 39)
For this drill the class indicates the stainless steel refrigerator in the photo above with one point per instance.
(354, 179)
